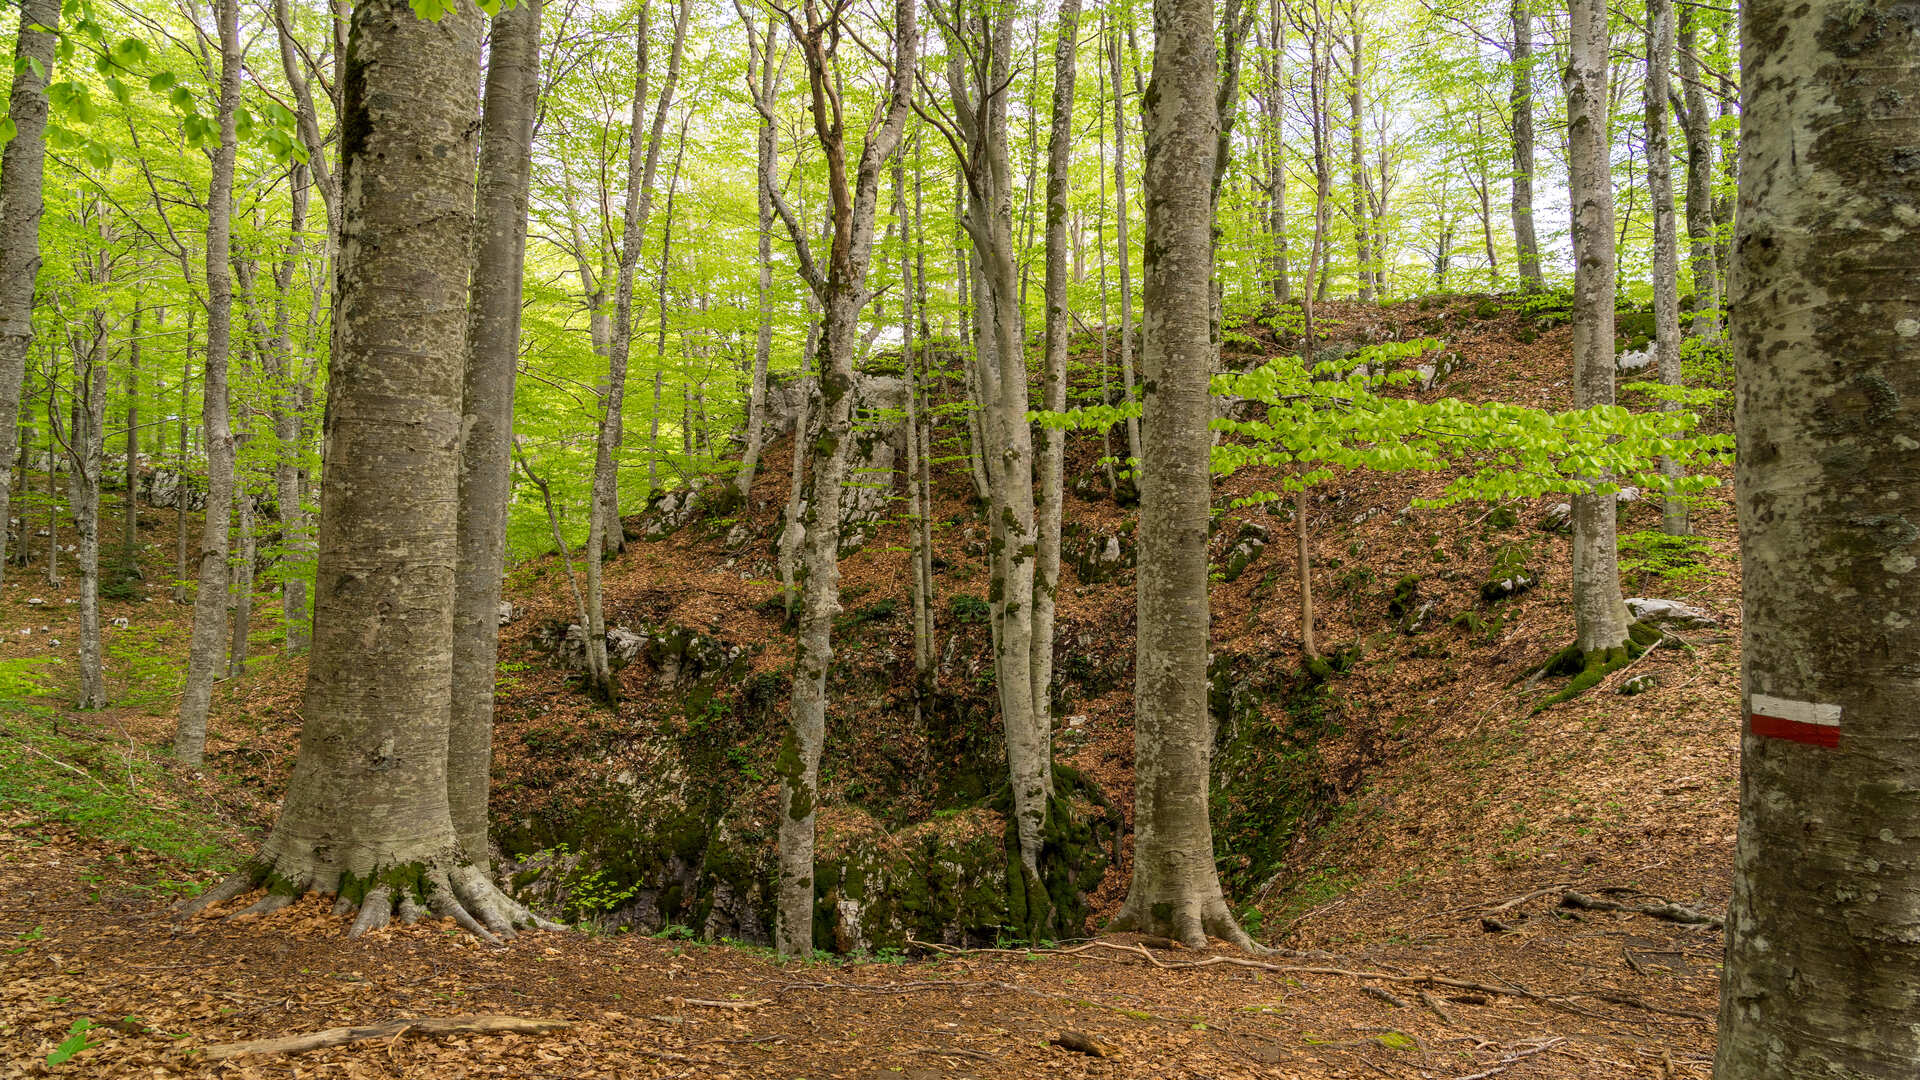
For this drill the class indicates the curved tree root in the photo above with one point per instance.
(1190, 922)
(462, 892)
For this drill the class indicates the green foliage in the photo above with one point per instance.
(589, 892)
(1651, 555)
(964, 608)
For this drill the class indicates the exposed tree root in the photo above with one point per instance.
(410, 893)
(1190, 924)
(1588, 668)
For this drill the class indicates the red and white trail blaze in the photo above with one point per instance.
(1812, 722)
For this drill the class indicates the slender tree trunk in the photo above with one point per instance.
(1051, 461)
(241, 587)
(53, 492)
(1363, 264)
(129, 567)
(1600, 617)
(366, 814)
(1175, 889)
(1100, 242)
(486, 467)
(1123, 256)
(1525, 244)
(1819, 979)
(1001, 371)
(180, 496)
(643, 160)
(210, 601)
(1696, 128)
(916, 510)
(288, 406)
(843, 292)
(21, 169)
(1666, 252)
(764, 85)
(1278, 279)
(87, 460)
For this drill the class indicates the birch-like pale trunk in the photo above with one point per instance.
(287, 408)
(1821, 955)
(486, 467)
(1357, 151)
(22, 167)
(86, 459)
(1175, 888)
(763, 85)
(1600, 616)
(1279, 280)
(205, 654)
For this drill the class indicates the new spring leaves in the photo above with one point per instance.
(1341, 414)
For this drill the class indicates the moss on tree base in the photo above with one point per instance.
(1588, 668)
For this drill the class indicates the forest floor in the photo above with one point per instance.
(1422, 931)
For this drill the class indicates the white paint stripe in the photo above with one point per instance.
(1800, 712)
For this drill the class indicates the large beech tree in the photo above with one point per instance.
(366, 815)
(1820, 976)
(1175, 890)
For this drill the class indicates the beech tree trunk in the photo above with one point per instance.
(86, 459)
(366, 815)
(764, 85)
(1363, 253)
(843, 292)
(1122, 249)
(205, 654)
(486, 465)
(1600, 616)
(1697, 129)
(643, 162)
(1175, 889)
(1666, 249)
(1819, 979)
(1051, 460)
(1001, 373)
(1272, 64)
(1526, 245)
(288, 406)
(22, 165)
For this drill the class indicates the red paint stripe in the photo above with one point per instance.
(1775, 727)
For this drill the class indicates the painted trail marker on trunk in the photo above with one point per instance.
(1813, 722)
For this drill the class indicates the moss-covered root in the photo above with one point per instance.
(1588, 668)
(411, 893)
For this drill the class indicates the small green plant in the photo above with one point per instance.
(76, 1041)
(968, 608)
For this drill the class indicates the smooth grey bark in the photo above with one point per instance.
(85, 439)
(762, 86)
(366, 815)
(1100, 244)
(1666, 243)
(180, 505)
(287, 408)
(205, 654)
(979, 138)
(919, 584)
(241, 586)
(643, 162)
(1697, 129)
(1822, 971)
(1175, 888)
(22, 166)
(843, 292)
(1123, 258)
(1520, 101)
(1279, 281)
(1050, 462)
(1363, 252)
(1599, 613)
(130, 513)
(486, 468)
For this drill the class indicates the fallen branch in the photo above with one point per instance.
(704, 1003)
(1511, 1060)
(1082, 1043)
(392, 1029)
(1431, 1002)
(1671, 912)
